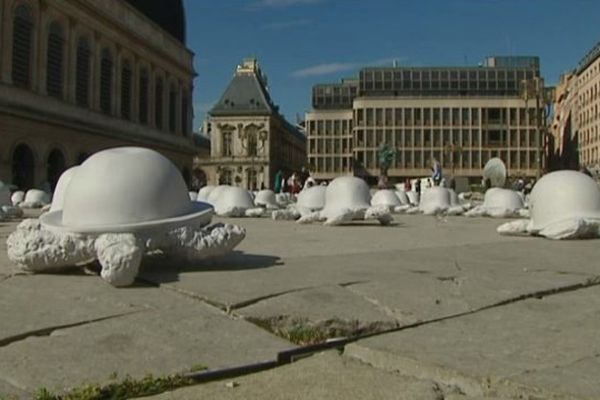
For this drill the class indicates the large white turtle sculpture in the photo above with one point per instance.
(500, 203)
(348, 199)
(118, 206)
(35, 198)
(562, 205)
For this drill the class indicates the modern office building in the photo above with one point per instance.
(461, 116)
(79, 76)
(250, 140)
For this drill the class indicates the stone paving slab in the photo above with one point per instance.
(544, 347)
(323, 376)
(334, 302)
(172, 335)
(409, 232)
(30, 304)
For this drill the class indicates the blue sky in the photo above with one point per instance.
(303, 42)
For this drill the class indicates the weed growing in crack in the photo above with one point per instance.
(302, 331)
(125, 389)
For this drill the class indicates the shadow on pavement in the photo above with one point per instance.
(160, 269)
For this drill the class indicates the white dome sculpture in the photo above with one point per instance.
(5, 197)
(146, 191)
(403, 197)
(495, 171)
(438, 199)
(118, 206)
(266, 198)
(35, 198)
(17, 197)
(204, 192)
(434, 200)
(312, 199)
(562, 205)
(58, 197)
(215, 193)
(348, 198)
(347, 193)
(413, 198)
(233, 201)
(386, 198)
(499, 203)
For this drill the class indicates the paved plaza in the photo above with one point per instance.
(449, 310)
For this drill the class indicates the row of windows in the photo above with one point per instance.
(425, 138)
(22, 70)
(444, 116)
(422, 160)
(589, 136)
(328, 127)
(591, 156)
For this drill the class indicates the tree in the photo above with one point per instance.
(386, 155)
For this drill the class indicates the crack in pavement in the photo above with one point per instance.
(256, 300)
(51, 329)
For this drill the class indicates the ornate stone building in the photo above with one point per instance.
(250, 139)
(461, 116)
(78, 76)
(588, 103)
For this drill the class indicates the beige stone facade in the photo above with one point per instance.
(79, 76)
(588, 102)
(250, 140)
(460, 116)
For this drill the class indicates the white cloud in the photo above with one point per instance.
(324, 69)
(332, 68)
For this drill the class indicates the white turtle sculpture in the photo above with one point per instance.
(7, 207)
(147, 210)
(390, 199)
(438, 200)
(500, 203)
(233, 201)
(204, 192)
(266, 198)
(562, 205)
(347, 199)
(35, 198)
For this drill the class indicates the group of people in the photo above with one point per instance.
(293, 182)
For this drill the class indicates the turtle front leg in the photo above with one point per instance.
(36, 249)
(120, 256)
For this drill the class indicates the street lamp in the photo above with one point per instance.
(253, 139)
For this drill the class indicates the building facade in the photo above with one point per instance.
(588, 101)
(250, 139)
(79, 76)
(460, 116)
(564, 153)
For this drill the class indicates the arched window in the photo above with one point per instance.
(144, 83)
(54, 61)
(22, 46)
(55, 167)
(126, 90)
(23, 165)
(106, 73)
(185, 105)
(82, 73)
(158, 104)
(172, 108)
